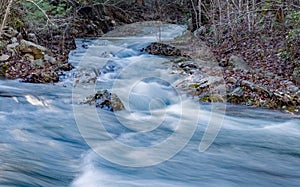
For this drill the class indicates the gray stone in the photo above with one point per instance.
(12, 47)
(50, 59)
(248, 84)
(7, 35)
(37, 63)
(238, 63)
(29, 56)
(237, 92)
(232, 80)
(199, 31)
(32, 37)
(14, 40)
(4, 57)
(12, 32)
(293, 88)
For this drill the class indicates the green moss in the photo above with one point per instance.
(36, 18)
(195, 85)
(182, 59)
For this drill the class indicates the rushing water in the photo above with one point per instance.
(49, 139)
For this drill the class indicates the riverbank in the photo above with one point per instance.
(234, 81)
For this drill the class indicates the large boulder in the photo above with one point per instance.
(36, 50)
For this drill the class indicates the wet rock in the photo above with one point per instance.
(105, 100)
(42, 77)
(247, 84)
(49, 58)
(232, 80)
(14, 40)
(293, 88)
(29, 57)
(116, 103)
(157, 48)
(180, 59)
(200, 31)
(237, 92)
(188, 67)
(65, 67)
(32, 37)
(37, 63)
(223, 63)
(4, 57)
(13, 48)
(30, 47)
(210, 81)
(9, 32)
(238, 63)
(212, 98)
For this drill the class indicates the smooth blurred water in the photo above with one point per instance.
(41, 144)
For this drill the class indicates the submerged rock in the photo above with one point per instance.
(105, 100)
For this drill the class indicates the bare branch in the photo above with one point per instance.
(5, 16)
(48, 20)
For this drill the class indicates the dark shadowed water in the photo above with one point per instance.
(45, 138)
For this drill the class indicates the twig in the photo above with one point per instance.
(48, 19)
(5, 16)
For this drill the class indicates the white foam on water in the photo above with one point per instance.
(95, 176)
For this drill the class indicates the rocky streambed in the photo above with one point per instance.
(203, 77)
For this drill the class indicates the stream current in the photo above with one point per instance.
(49, 139)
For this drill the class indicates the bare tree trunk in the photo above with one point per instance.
(193, 9)
(199, 11)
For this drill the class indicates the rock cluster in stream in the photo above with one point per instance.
(20, 58)
(158, 48)
(105, 100)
